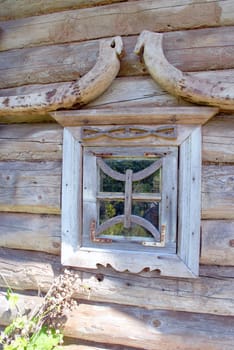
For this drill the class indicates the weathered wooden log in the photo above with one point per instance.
(80, 92)
(217, 192)
(43, 233)
(44, 141)
(148, 330)
(30, 232)
(218, 140)
(26, 8)
(30, 187)
(126, 18)
(34, 187)
(217, 243)
(31, 142)
(193, 50)
(124, 92)
(176, 82)
(212, 293)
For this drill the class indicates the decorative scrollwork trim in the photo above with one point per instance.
(130, 132)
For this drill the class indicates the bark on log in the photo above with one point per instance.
(176, 82)
(126, 18)
(136, 327)
(191, 50)
(211, 293)
(78, 93)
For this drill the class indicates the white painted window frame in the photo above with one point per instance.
(185, 262)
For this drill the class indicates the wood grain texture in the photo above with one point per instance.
(193, 89)
(218, 140)
(44, 141)
(211, 293)
(78, 92)
(217, 192)
(193, 50)
(31, 142)
(123, 93)
(148, 330)
(32, 187)
(191, 115)
(43, 233)
(217, 242)
(30, 232)
(127, 18)
(26, 8)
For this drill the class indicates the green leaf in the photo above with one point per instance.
(44, 340)
(12, 298)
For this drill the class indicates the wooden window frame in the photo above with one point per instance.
(183, 263)
(92, 159)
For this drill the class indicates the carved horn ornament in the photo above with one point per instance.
(193, 89)
(79, 92)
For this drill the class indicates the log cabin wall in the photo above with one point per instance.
(52, 42)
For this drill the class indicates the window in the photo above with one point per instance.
(131, 198)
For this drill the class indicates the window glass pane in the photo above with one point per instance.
(148, 211)
(109, 209)
(149, 184)
(121, 165)
(108, 184)
(136, 231)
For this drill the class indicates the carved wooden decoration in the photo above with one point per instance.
(79, 92)
(193, 89)
(88, 240)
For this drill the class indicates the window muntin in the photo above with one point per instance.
(140, 210)
(76, 251)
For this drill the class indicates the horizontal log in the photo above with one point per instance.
(43, 233)
(123, 92)
(218, 192)
(26, 8)
(193, 50)
(32, 187)
(211, 293)
(30, 232)
(217, 243)
(137, 327)
(218, 140)
(126, 18)
(150, 330)
(31, 142)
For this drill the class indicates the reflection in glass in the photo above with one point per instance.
(112, 205)
(121, 232)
